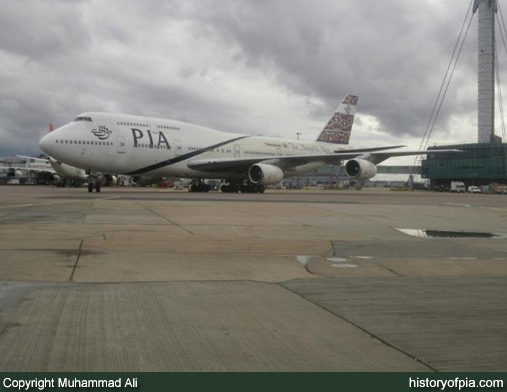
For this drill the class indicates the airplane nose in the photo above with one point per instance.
(45, 144)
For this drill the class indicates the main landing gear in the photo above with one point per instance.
(93, 182)
(235, 186)
(198, 186)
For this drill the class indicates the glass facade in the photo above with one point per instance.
(477, 164)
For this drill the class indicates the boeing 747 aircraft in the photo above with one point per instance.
(135, 145)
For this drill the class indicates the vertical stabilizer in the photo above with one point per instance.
(339, 126)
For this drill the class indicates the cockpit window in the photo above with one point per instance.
(83, 119)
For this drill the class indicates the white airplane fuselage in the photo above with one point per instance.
(136, 145)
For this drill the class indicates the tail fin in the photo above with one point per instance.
(339, 127)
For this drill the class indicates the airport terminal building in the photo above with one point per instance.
(485, 162)
(477, 164)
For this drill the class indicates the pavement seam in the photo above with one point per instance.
(55, 202)
(390, 270)
(77, 261)
(170, 221)
(379, 264)
(372, 335)
(86, 213)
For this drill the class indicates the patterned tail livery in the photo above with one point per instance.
(339, 126)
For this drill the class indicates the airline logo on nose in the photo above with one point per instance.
(102, 133)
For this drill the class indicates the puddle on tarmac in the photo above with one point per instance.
(422, 233)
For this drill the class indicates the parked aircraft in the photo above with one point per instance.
(58, 171)
(136, 145)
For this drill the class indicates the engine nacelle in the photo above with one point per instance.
(18, 174)
(111, 179)
(56, 178)
(136, 180)
(264, 174)
(360, 169)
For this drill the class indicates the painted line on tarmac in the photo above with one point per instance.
(58, 202)
(493, 208)
(483, 207)
(460, 205)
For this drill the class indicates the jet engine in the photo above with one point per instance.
(136, 180)
(15, 173)
(111, 179)
(264, 174)
(360, 169)
(56, 178)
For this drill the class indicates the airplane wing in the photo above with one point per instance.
(379, 157)
(286, 162)
(239, 164)
(44, 160)
(31, 169)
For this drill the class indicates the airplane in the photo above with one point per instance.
(58, 171)
(136, 145)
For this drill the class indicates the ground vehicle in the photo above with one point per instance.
(458, 186)
(474, 189)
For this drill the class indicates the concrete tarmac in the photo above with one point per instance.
(158, 280)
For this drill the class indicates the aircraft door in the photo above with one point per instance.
(120, 144)
(237, 151)
(177, 147)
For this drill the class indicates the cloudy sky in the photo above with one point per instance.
(271, 67)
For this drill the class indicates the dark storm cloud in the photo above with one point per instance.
(42, 29)
(200, 61)
(34, 39)
(392, 53)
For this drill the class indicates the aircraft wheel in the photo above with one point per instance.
(90, 186)
(97, 186)
(261, 189)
